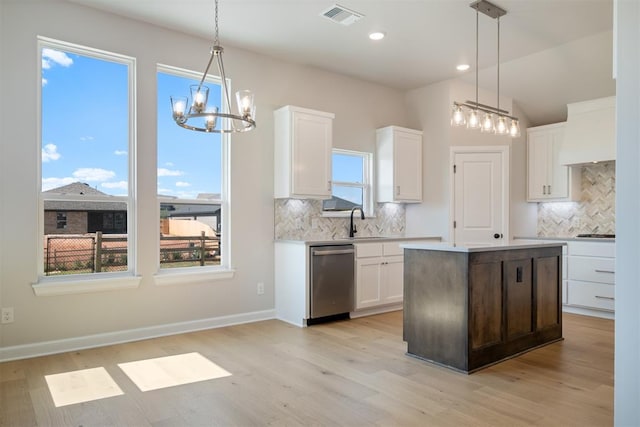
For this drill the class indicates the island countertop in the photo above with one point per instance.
(480, 247)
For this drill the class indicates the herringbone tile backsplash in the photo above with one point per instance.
(594, 213)
(302, 220)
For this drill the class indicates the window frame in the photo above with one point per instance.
(367, 184)
(166, 276)
(85, 282)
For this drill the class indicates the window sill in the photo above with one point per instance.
(186, 278)
(84, 285)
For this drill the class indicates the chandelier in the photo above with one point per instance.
(207, 118)
(480, 116)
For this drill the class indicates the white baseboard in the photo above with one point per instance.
(90, 341)
(375, 310)
(588, 312)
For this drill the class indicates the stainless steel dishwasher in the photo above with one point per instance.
(332, 281)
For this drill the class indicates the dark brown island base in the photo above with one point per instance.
(468, 307)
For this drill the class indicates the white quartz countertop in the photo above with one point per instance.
(363, 239)
(480, 247)
(569, 239)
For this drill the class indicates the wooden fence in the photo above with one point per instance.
(94, 253)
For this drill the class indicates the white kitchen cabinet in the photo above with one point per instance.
(591, 277)
(379, 274)
(399, 165)
(547, 179)
(302, 153)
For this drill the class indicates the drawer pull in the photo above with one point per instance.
(605, 271)
(601, 297)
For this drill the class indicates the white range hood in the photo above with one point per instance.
(590, 132)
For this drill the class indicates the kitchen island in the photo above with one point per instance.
(469, 306)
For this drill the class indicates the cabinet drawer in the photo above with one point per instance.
(592, 269)
(591, 295)
(365, 250)
(599, 249)
(392, 248)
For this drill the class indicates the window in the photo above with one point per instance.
(192, 181)
(61, 220)
(86, 137)
(350, 182)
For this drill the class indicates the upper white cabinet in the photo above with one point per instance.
(302, 151)
(399, 165)
(590, 134)
(547, 179)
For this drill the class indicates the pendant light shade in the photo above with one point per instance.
(474, 119)
(493, 120)
(457, 116)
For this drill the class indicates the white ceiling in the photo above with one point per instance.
(552, 52)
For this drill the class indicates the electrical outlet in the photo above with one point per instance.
(260, 288)
(7, 315)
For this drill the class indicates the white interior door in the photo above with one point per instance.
(480, 195)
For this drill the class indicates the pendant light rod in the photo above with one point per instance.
(477, 38)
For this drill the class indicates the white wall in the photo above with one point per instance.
(360, 108)
(431, 107)
(627, 333)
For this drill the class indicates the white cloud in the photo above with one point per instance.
(182, 184)
(169, 172)
(51, 56)
(44, 82)
(50, 152)
(49, 183)
(86, 138)
(93, 174)
(120, 152)
(120, 184)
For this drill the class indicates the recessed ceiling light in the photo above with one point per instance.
(376, 35)
(462, 67)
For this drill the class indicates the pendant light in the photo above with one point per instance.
(204, 118)
(480, 116)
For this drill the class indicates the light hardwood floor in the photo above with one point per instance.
(350, 373)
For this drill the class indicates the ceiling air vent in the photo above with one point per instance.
(342, 15)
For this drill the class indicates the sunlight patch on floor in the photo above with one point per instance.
(162, 372)
(85, 385)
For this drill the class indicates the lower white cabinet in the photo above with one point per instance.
(379, 274)
(591, 276)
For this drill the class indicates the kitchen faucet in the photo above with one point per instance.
(352, 227)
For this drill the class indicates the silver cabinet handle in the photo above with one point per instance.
(605, 271)
(607, 298)
(334, 252)
(544, 189)
(548, 189)
(329, 185)
(397, 190)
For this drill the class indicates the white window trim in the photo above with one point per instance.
(187, 275)
(91, 282)
(367, 185)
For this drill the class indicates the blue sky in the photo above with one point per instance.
(85, 130)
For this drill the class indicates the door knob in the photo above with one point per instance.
(497, 236)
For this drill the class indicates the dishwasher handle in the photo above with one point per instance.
(320, 252)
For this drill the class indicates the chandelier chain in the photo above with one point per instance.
(216, 40)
